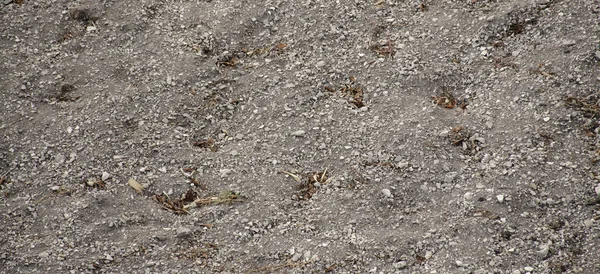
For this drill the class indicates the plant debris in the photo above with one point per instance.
(176, 205)
(64, 94)
(95, 183)
(420, 259)
(135, 185)
(357, 94)
(279, 48)
(502, 63)
(190, 199)
(189, 169)
(228, 61)
(209, 144)
(542, 69)
(308, 187)
(226, 196)
(190, 173)
(480, 212)
(4, 179)
(445, 99)
(330, 89)
(331, 268)
(497, 44)
(196, 182)
(461, 136)
(589, 105)
(594, 201)
(458, 135)
(352, 89)
(384, 49)
(355, 91)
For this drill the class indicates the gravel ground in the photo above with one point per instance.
(348, 136)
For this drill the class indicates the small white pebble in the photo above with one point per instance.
(105, 176)
(298, 133)
(387, 193)
(460, 263)
(588, 222)
(428, 254)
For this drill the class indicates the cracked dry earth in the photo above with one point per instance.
(190, 136)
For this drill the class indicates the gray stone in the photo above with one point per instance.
(296, 256)
(105, 176)
(306, 255)
(224, 172)
(59, 159)
(183, 232)
(428, 254)
(569, 42)
(400, 265)
(543, 252)
(448, 178)
(402, 165)
(387, 193)
(298, 133)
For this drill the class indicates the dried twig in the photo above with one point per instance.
(224, 197)
(296, 177)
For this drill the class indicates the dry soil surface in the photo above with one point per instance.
(348, 136)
